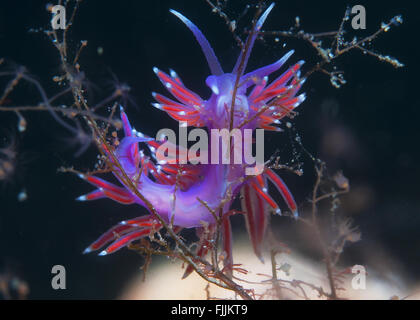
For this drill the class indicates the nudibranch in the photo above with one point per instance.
(173, 189)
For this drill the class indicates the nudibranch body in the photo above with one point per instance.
(184, 193)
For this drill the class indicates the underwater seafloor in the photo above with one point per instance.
(368, 128)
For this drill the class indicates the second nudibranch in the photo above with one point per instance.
(174, 189)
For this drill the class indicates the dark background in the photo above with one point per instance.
(368, 128)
